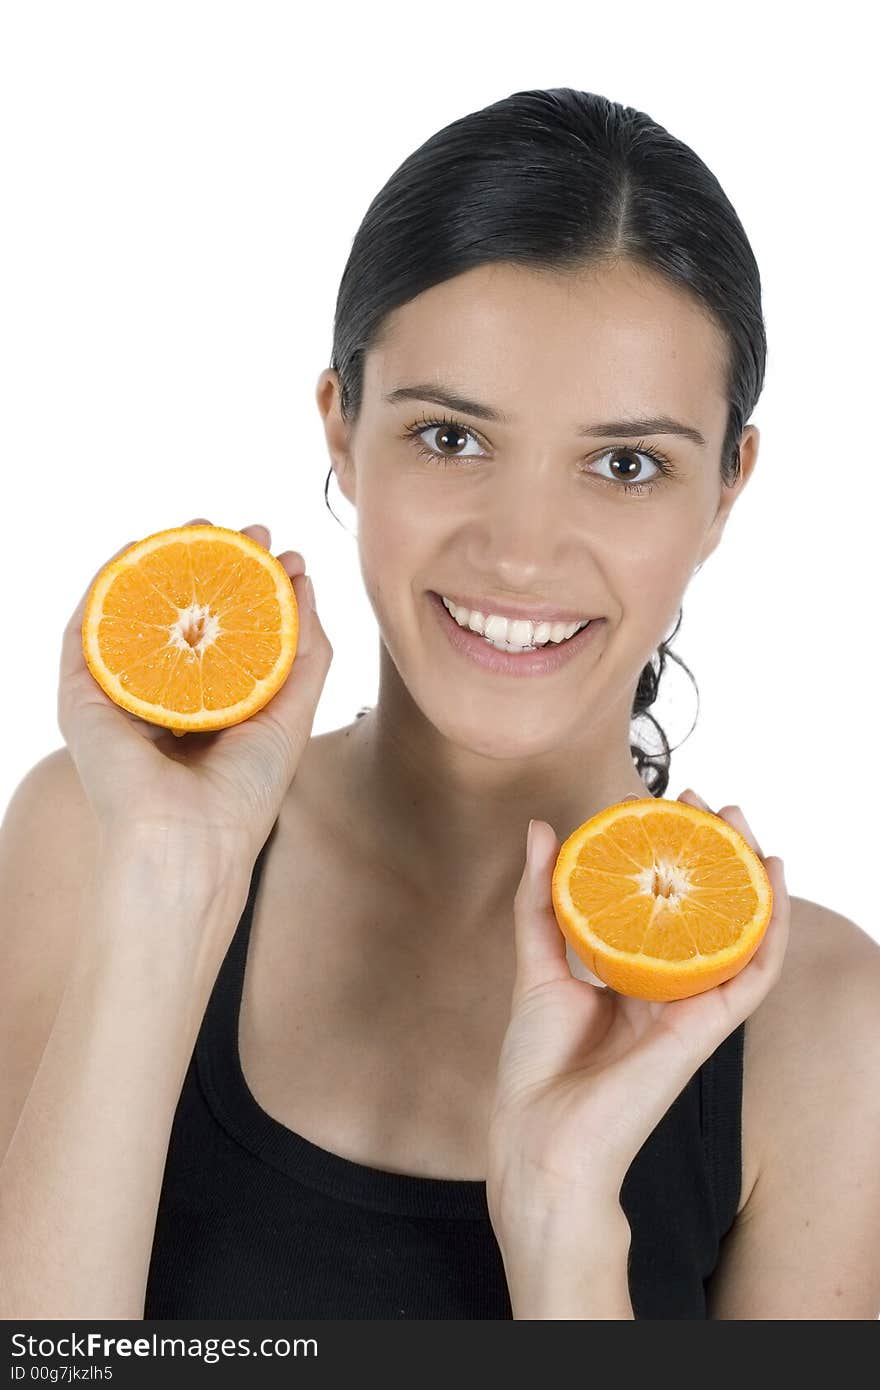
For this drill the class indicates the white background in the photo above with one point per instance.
(181, 184)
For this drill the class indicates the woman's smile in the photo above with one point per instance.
(539, 661)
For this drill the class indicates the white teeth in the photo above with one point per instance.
(512, 634)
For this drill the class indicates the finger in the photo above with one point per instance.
(539, 943)
(293, 562)
(691, 797)
(541, 947)
(734, 816)
(260, 534)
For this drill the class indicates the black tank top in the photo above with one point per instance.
(255, 1221)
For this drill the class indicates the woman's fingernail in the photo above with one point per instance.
(535, 872)
(531, 852)
(310, 590)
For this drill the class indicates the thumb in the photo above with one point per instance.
(541, 948)
(540, 945)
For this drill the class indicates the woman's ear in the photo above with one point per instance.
(328, 396)
(748, 457)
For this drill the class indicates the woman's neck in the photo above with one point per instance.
(440, 815)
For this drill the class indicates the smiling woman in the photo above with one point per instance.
(386, 1090)
(548, 341)
(526, 202)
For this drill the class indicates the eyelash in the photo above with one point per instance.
(414, 431)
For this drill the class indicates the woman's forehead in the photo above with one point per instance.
(588, 346)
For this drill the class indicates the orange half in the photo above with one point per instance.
(659, 899)
(194, 628)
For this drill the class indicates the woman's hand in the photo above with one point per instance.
(217, 793)
(586, 1074)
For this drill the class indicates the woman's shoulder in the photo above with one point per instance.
(822, 944)
(825, 1004)
(811, 1064)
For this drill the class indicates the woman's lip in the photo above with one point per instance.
(538, 613)
(530, 663)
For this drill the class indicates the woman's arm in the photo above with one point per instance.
(584, 1077)
(80, 1182)
(571, 1265)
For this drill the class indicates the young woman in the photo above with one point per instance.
(317, 1048)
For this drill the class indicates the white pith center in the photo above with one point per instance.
(666, 880)
(196, 629)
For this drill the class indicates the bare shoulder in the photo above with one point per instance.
(804, 1242)
(822, 933)
(827, 955)
(822, 944)
(50, 799)
(795, 1039)
(48, 840)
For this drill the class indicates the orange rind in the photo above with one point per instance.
(194, 628)
(659, 899)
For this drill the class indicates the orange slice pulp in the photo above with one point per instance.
(659, 899)
(193, 628)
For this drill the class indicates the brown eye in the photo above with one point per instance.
(448, 434)
(628, 473)
(626, 466)
(451, 438)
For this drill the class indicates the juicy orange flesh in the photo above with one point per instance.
(690, 892)
(217, 596)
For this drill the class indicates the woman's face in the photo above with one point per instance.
(532, 509)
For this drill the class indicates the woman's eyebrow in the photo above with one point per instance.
(628, 427)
